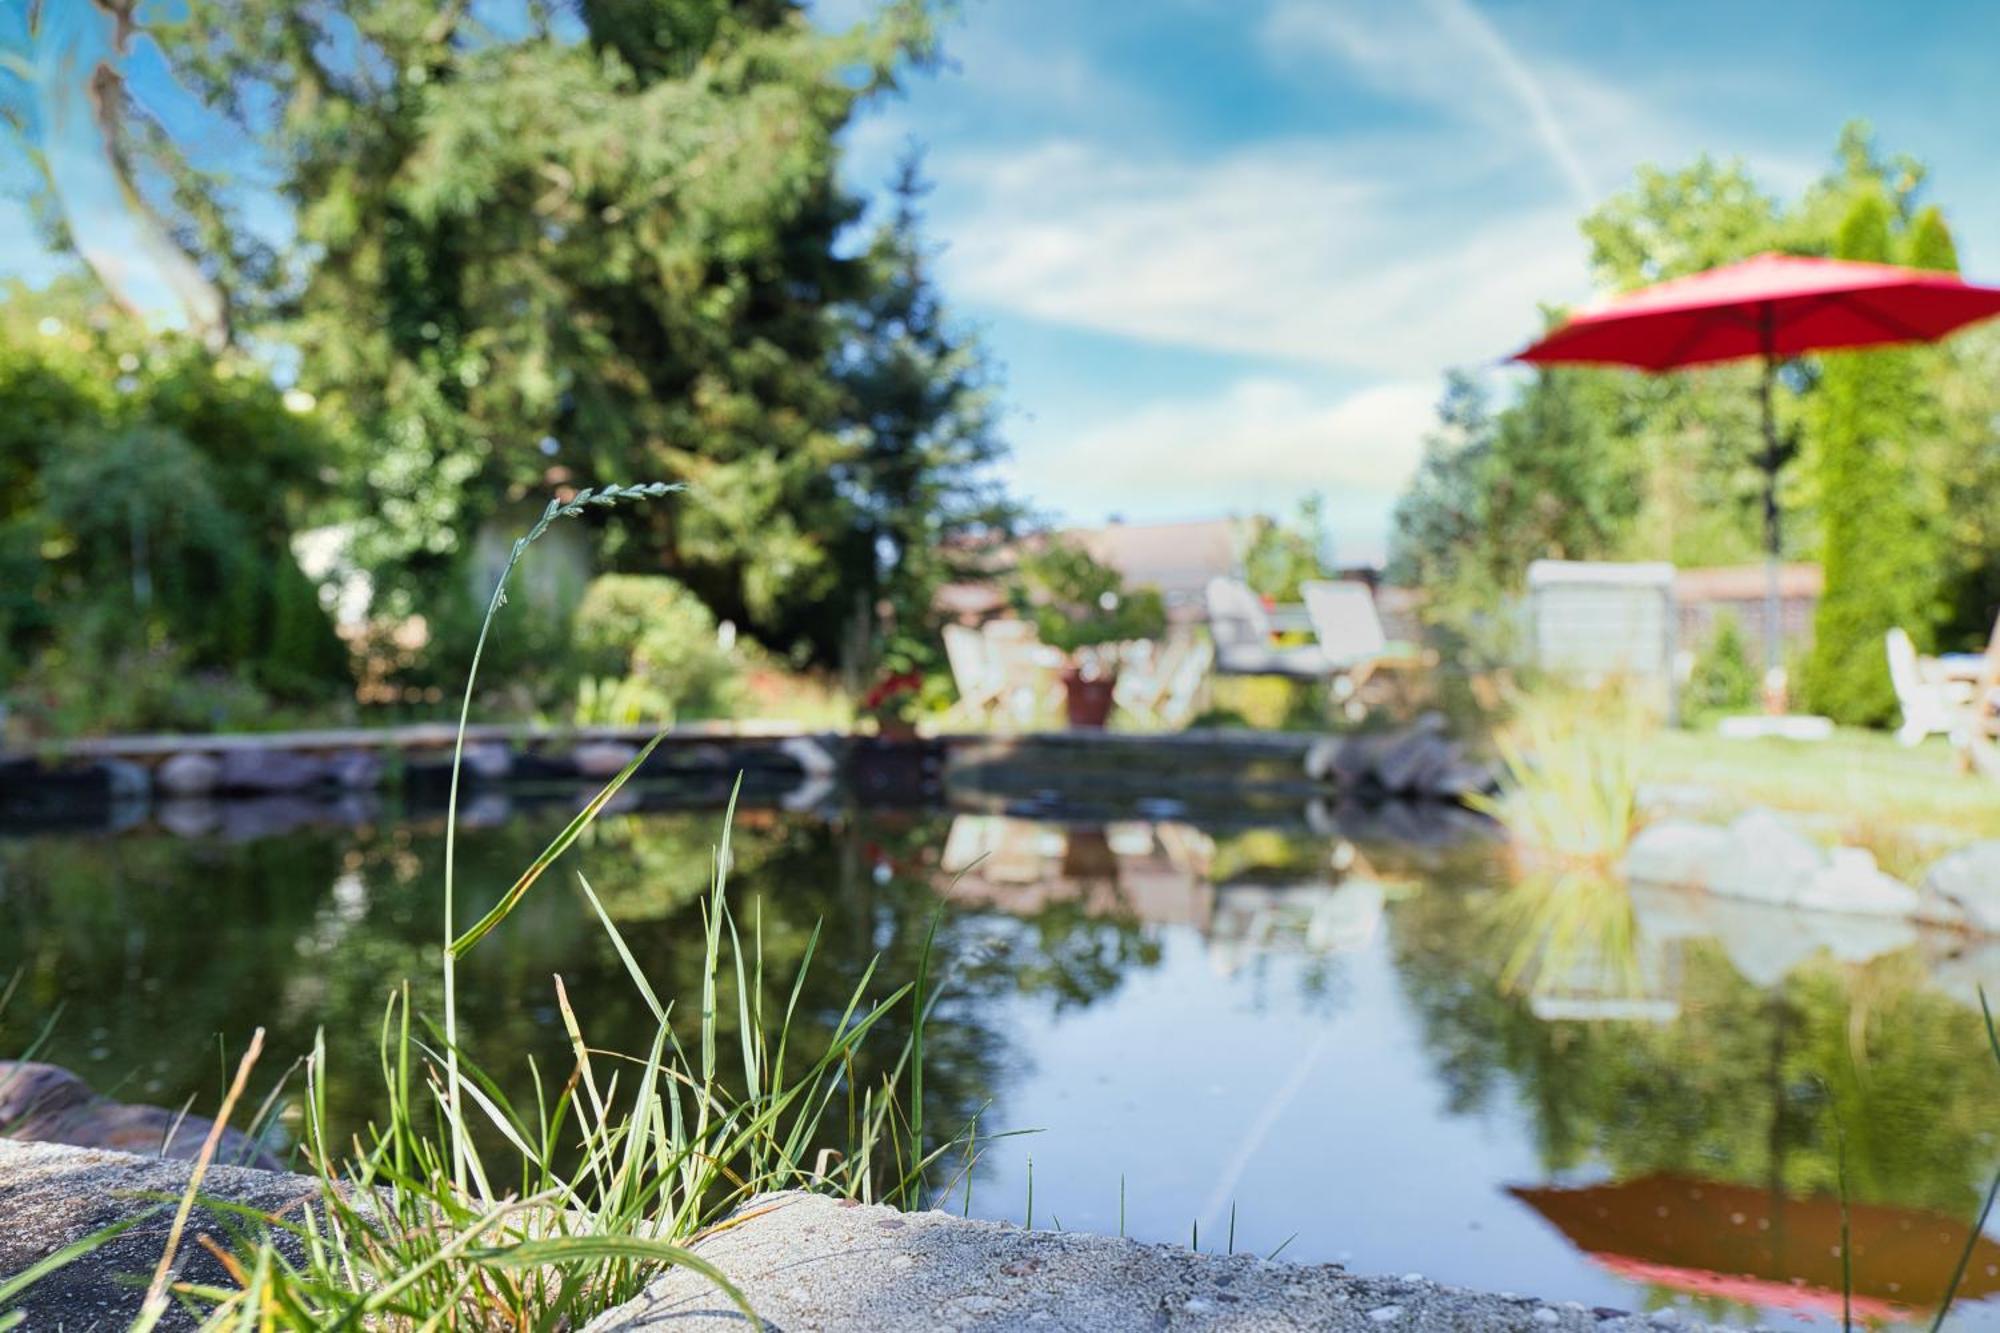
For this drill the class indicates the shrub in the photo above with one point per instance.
(1723, 680)
(1076, 601)
(651, 629)
(1571, 794)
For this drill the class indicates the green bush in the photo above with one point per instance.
(1723, 680)
(148, 491)
(651, 629)
(1077, 602)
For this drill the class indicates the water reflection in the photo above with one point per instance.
(1756, 1031)
(1355, 1024)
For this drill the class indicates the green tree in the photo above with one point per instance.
(1282, 555)
(1439, 534)
(1622, 465)
(152, 488)
(1880, 570)
(921, 432)
(569, 252)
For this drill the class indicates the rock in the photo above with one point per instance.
(189, 816)
(189, 774)
(1963, 889)
(355, 770)
(53, 1196)
(1678, 854)
(1851, 882)
(126, 781)
(1769, 862)
(809, 1262)
(1322, 760)
(602, 759)
(1466, 777)
(44, 1103)
(269, 771)
(1419, 761)
(490, 761)
(1413, 766)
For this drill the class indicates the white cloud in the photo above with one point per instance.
(1447, 55)
(1258, 445)
(1335, 254)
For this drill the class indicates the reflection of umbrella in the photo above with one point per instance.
(1771, 306)
(1747, 1245)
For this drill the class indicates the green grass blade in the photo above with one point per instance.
(1965, 1255)
(571, 832)
(590, 1249)
(625, 954)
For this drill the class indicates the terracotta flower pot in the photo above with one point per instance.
(1087, 700)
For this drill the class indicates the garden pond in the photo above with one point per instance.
(1346, 1035)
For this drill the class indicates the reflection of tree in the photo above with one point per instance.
(1066, 953)
(1738, 1088)
(153, 945)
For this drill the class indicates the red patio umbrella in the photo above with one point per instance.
(1771, 306)
(1760, 1247)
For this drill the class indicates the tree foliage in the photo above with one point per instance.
(151, 490)
(605, 244)
(1880, 562)
(1283, 556)
(1893, 480)
(919, 416)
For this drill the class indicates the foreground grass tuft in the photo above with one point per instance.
(459, 1209)
(1571, 792)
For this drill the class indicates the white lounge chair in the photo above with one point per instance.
(1028, 669)
(1345, 621)
(973, 672)
(1243, 639)
(1160, 682)
(1931, 706)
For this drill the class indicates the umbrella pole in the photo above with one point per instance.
(1774, 660)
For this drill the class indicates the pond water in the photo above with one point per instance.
(1355, 1039)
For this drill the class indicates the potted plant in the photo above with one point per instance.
(1082, 608)
(892, 704)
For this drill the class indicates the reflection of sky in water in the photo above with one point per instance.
(1312, 1029)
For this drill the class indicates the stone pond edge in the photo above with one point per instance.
(809, 1261)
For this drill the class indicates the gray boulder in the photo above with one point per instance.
(125, 780)
(602, 759)
(1963, 889)
(355, 770)
(490, 761)
(1850, 882)
(48, 1104)
(1769, 861)
(189, 774)
(1678, 854)
(269, 771)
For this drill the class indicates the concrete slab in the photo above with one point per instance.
(806, 1262)
(52, 1195)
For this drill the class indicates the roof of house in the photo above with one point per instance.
(1173, 557)
(1746, 583)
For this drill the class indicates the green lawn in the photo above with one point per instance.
(1862, 781)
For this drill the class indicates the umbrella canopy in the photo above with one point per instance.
(1772, 305)
(1712, 1238)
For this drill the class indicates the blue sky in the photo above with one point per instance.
(1225, 249)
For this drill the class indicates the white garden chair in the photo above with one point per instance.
(973, 673)
(1243, 638)
(1930, 705)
